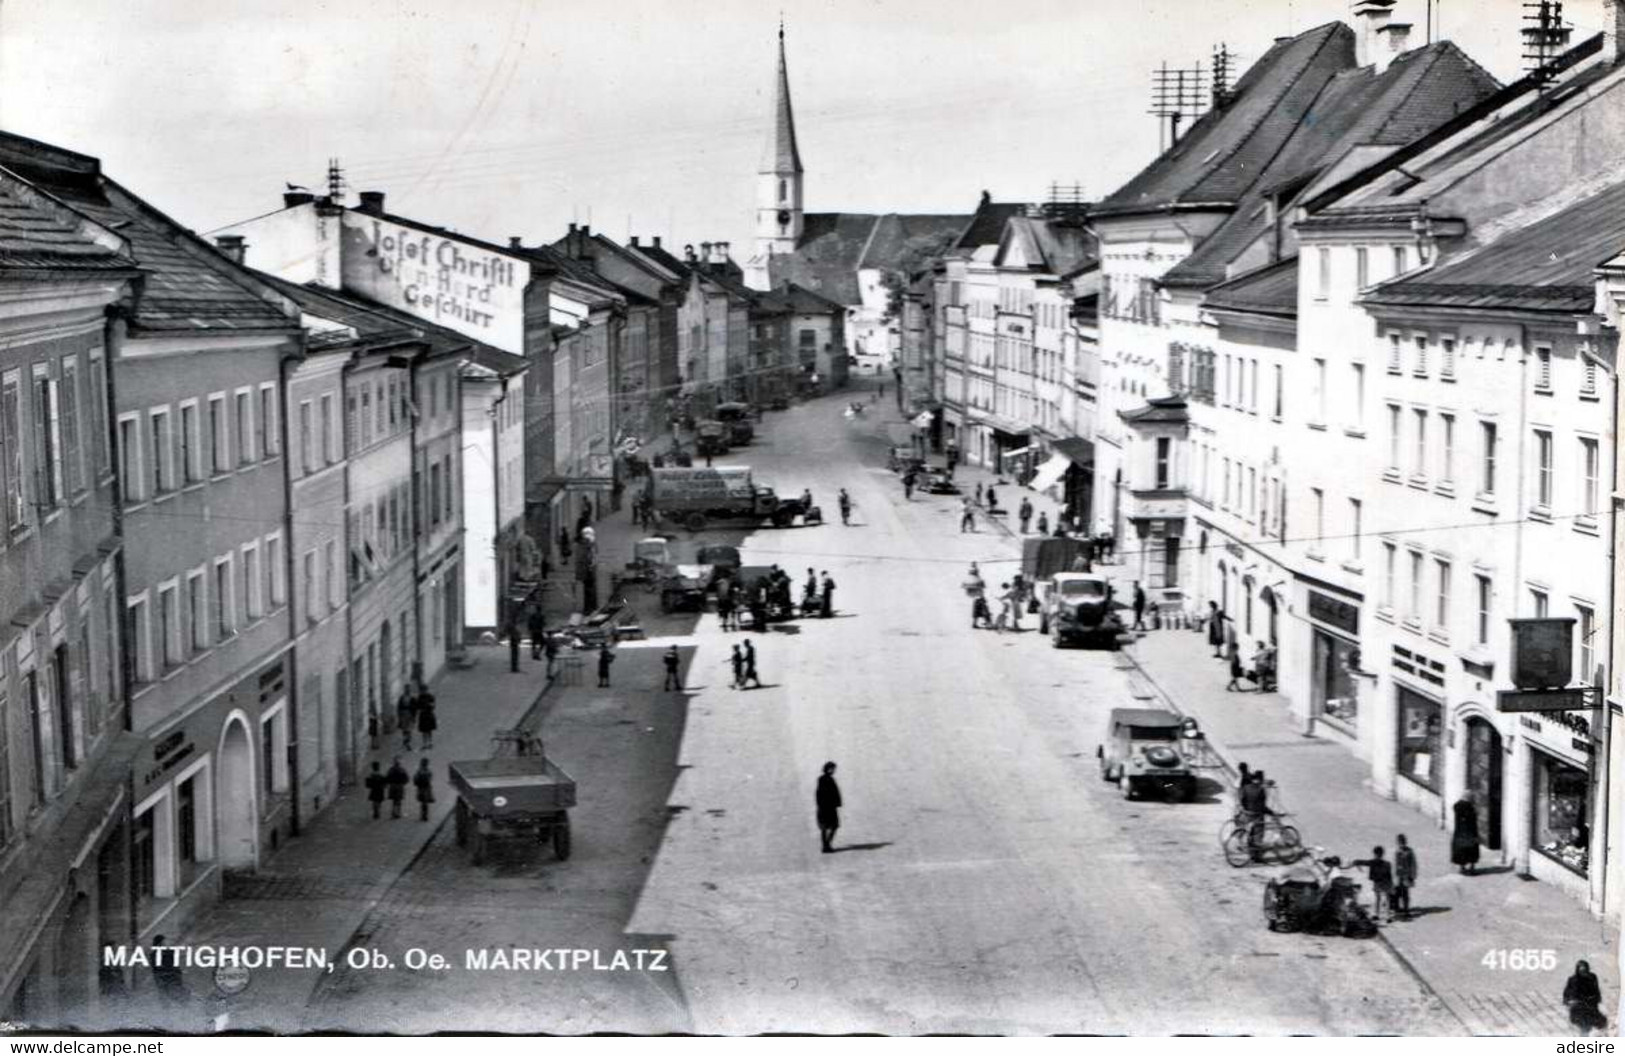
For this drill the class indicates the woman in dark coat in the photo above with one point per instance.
(1584, 997)
(828, 799)
(1464, 837)
(427, 723)
(1215, 628)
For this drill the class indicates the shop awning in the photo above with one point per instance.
(1015, 452)
(1077, 450)
(1050, 473)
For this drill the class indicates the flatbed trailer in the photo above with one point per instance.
(519, 792)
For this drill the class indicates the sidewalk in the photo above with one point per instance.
(318, 889)
(1461, 920)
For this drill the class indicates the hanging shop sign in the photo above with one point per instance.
(1542, 652)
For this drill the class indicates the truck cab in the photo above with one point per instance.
(736, 419)
(1078, 607)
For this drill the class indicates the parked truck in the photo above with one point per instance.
(699, 495)
(1074, 604)
(737, 418)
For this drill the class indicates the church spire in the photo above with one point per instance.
(781, 156)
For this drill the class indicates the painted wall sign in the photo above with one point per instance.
(439, 278)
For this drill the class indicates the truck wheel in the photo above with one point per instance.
(695, 522)
(561, 840)
(462, 824)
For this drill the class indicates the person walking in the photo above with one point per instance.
(1381, 872)
(845, 502)
(397, 779)
(550, 651)
(168, 978)
(737, 661)
(992, 500)
(908, 485)
(1043, 524)
(828, 800)
(377, 785)
(978, 493)
(1025, 514)
(605, 658)
(1404, 876)
(406, 707)
(1139, 606)
(513, 646)
(427, 722)
(725, 604)
(1464, 836)
(536, 627)
(674, 679)
(828, 596)
(1009, 607)
(423, 781)
(750, 666)
(1237, 672)
(953, 459)
(373, 738)
(967, 516)
(1583, 996)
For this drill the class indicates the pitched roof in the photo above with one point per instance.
(781, 155)
(986, 225)
(1170, 409)
(903, 240)
(371, 321)
(826, 256)
(661, 256)
(1546, 266)
(1420, 90)
(1056, 248)
(1271, 290)
(1224, 152)
(805, 301)
(189, 284)
(38, 233)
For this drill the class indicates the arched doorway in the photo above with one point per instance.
(1273, 614)
(234, 796)
(1224, 587)
(1484, 757)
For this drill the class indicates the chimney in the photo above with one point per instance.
(290, 199)
(1369, 18)
(1613, 30)
(632, 240)
(371, 202)
(722, 252)
(688, 252)
(232, 246)
(705, 252)
(1394, 42)
(657, 241)
(515, 242)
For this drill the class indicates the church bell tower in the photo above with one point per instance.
(778, 184)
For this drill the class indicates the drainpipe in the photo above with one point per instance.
(496, 508)
(352, 694)
(113, 330)
(289, 357)
(1520, 777)
(1600, 796)
(411, 366)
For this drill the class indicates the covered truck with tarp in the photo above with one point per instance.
(697, 496)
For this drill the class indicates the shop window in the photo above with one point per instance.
(1335, 691)
(1420, 721)
(1559, 828)
(144, 855)
(186, 828)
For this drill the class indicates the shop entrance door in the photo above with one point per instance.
(1483, 789)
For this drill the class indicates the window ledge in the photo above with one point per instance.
(194, 485)
(1543, 392)
(1392, 476)
(1591, 397)
(1314, 555)
(1442, 637)
(1384, 613)
(1540, 514)
(1484, 504)
(1354, 567)
(1478, 655)
(1585, 525)
(1355, 431)
(1448, 376)
(1395, 371)
(1419, 483)
(1420, 374)
(1412, 624)
(1319, 427)
(1275, 418)
(1446, 489)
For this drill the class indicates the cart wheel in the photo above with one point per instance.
(1236, 851)
(1125, 786)
(479, 848)
(561, 840)
(462, 823)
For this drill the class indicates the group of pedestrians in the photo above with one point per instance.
(414, 709)
(1259, 669)
(743, 662)
(392, 786)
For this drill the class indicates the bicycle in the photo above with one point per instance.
(1246, 840)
